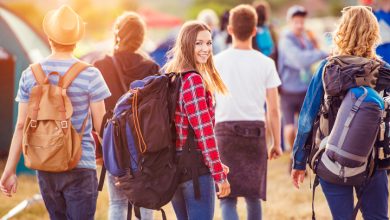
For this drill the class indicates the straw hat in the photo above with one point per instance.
(63, 26)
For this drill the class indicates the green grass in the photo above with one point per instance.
(283, 200)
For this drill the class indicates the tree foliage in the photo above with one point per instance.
(333, 6)
(29, 12)
(98, 18)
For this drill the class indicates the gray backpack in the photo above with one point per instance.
(349, 122)
(349, 153)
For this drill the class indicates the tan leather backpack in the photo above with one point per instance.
(50, 143)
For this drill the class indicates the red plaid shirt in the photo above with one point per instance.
(195, 107)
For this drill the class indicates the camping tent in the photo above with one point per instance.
(157, 19)
(20, 45)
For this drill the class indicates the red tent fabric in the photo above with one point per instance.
(158, 19)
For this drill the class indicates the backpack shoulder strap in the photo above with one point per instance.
(38, 73)
(72, 73)
(183, 74)
(40, 77)
(189, 71)
(106, 117)
(315, 184)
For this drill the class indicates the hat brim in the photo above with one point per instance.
(54, 35)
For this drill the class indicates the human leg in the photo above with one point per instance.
(118, 203)
(202, 208)
(253, 207)
(52, 196)
(339, 198)
(375, 197)
(288, 111)
(146, 214)
(229, 208)
(81, 194)
(69, 195)
(179, 204)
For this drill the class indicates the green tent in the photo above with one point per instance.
(20, 45)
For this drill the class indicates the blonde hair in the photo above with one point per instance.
(129, 29)
(357, 34)
(182, 57)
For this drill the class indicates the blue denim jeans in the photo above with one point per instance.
(374, 198)
(69, 195)
(187, 207)
(119, 203)
(229, 208)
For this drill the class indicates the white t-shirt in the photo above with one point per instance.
(247, 74)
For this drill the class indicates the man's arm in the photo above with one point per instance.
(8, 182)
(98, 110)
(273, 115)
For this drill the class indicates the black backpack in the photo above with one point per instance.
(139, 143)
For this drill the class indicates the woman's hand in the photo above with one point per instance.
(297, 177)
(223, 189)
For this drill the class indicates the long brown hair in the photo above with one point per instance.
(129, 31)
(358, 33)
(182, 57)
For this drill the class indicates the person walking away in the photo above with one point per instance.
(127, 64)
(356, 37)
(69, 194)
(252, 81)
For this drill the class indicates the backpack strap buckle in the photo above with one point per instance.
(381, 153)
(64, 124)
(33, 123)
(355, 108)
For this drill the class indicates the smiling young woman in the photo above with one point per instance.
(195, 121)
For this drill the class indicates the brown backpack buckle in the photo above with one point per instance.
(64, 124)
(33, 123)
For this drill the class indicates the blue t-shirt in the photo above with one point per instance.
(89, 86)
(264, 40)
